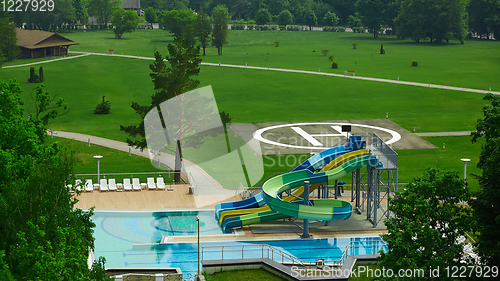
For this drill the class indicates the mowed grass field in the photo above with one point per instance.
(269, 96)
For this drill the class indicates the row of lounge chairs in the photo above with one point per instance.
(111, 185)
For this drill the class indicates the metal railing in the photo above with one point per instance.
(270, 252)
(251, 251)
(350, 250)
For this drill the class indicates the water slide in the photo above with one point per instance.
(312, 164)
(237, 218)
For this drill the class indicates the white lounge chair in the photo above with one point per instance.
(112, 185)
(159, 183)
(78, 185)
(103, 185)
(151, 183)
(89, 186)
(127, 185)
(136, 185)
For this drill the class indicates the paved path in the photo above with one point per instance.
(427, 85)
(196, 176)
(444, 134)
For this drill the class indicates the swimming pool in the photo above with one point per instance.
(127, 240)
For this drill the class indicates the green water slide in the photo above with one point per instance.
(317, 209)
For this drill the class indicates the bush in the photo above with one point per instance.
(325, 52)
(382, 51)
(333, 29)
(237, 27)
(335, 65)
(282, 27)
(274, 27)
(40, 74)
(390, 32)
(330, 58)
(358, 29)
(33, 77)
(250, 27)
(276, 43)
(293, 28)
(354, 45)
(414, 63)
(104, 107)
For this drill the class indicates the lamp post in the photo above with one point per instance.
(98, 157)
(465, 160)
(198, 221)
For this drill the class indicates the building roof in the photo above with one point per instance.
(130, 4)
(35, 39)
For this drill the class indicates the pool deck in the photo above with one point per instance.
(144, 199)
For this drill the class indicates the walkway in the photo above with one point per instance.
(426, 85)
(195, 175)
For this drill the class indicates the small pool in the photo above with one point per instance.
(126, 240)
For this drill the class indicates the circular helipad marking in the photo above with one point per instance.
(258, 134)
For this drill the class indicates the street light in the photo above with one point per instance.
(198, 220)
(465, 160)
(98, 157)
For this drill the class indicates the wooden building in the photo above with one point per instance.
(39, 44)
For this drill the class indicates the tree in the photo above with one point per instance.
(428, 220)
(486, 211)
(220, 24)
(330, 19)
(150, 15)
(310, 19)
(484, 17)
(354, 20)
(263, 17)
(203, 29)
(103, 10)
(63, 13)
(43, 236)
(124, 21)
(285, 18)
(81, 14)
(437, 20)
(371, 12)
(169, 81)
(177, 21)
(8, 48)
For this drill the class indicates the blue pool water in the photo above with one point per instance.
(127, 240)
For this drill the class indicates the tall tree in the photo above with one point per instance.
(438, 20)
(428, 220)
(169, 81)
(42, 234)
(263, 17)
(203, 29)
(484, 17)
(124, 21)
(8, 47)
(177, 21)
(486, 208)
(330, 19)
(81, 14)
(220, 24)
(310, 19)
(285, 18)
(103, 10)
(150, 15)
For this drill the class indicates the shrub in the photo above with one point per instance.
(274, 27)
(414, 63)
(354, 45)
(325, 52)
(282, 27)
(104, 107)
(250, 27)
(276, 43)
(293, 28)
(358, 29)
(335, 65)
(330, 58)
(237, 27)
(33, 77)
(314, 51)
(382, 51)
(40, 74)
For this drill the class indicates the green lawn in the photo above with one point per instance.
(472, 65)
(113, 161)
(244, 275)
